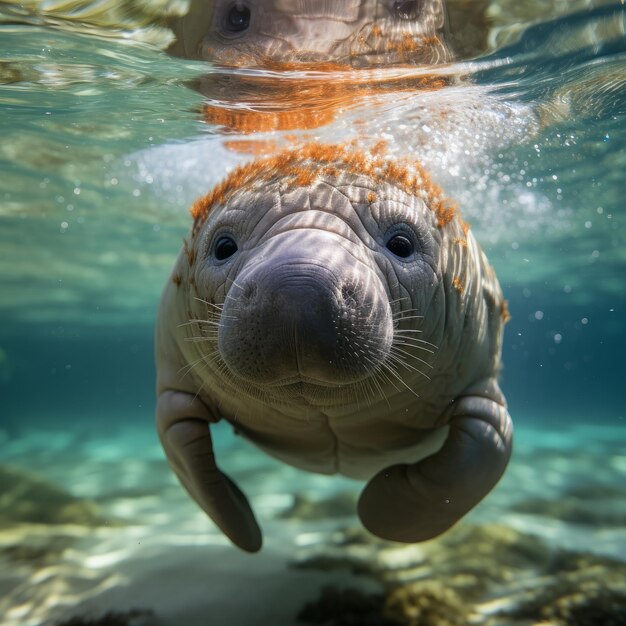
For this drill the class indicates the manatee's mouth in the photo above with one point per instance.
(297, 391)
(299, 380)
(310, 393)
(309, 390)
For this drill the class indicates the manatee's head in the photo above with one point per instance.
(315, 276)
(353, 32)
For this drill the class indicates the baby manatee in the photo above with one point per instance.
(332, 305)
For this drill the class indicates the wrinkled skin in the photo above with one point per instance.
(343, 325)
(353, 32)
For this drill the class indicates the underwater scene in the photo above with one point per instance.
(272, 213)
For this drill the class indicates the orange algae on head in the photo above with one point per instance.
(504, 311)
(379, 148)
(302, 166)
(446, 211)
(189, 252)
(458, 284)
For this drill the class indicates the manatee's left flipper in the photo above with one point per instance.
(414, 503)
(183, 426)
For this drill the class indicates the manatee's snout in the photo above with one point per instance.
(290, 318)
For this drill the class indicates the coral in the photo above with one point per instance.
(577, 589)
(425, 604)
(471, 559)
(489, 575)
(600, 606)
(410, 605)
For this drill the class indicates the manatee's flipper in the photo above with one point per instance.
(183, 426)
(414, 503)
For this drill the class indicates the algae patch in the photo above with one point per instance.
(28, 498)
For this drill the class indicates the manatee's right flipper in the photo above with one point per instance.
(183, 427)
(417, 502)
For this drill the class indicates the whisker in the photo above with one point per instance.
(211, 338)
(234, 283)
(209, 322)
(229, 297)
(360, 386)
(405, 312)
(395, 374)
(189, 323)
(409, 344)
(375, 382)
(415, 340)
(398, 300)
(219, 307)
(412, 356)
(408, 317)
(190, 366)
(399, 359)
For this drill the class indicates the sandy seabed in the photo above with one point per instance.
(95, 530)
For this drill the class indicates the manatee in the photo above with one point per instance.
(356, 32)
(333, 306)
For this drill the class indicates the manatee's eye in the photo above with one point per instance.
(401, 246)
(225, 247)
(238, 18)
(407, 9)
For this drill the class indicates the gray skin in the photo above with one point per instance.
(357, 32)
(332, 353)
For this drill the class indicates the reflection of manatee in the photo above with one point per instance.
(255, 102)
(362, 32)
(334, 308)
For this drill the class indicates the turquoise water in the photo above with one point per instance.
(104, 148)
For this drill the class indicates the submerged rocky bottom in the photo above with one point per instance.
(95, 531)
(487, 574)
